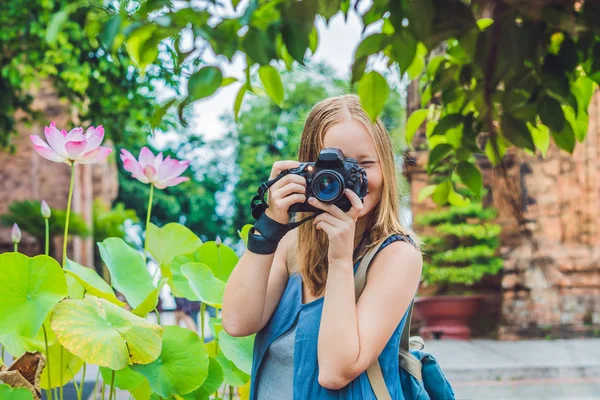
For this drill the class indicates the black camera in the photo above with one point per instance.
(327, 178)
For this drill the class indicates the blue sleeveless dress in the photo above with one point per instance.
(306, 367)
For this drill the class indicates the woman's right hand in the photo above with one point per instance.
(288, 190)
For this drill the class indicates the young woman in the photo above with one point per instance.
(313, 340)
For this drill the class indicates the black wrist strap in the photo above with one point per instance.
(259, 244)
(271, 229)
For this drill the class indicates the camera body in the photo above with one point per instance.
(327, 178)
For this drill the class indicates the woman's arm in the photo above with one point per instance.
(352, 335)
(254, 290)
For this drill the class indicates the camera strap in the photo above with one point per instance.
(259, 204)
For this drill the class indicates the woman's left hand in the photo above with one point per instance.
(339, 226)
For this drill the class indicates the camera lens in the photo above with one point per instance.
(327, 186)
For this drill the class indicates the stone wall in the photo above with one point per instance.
(551, 280)
(25, 175)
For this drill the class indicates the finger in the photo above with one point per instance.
(286, 202)
(325, 227)
(357, 204)
(287, 190)
(330, 208)
(279, 166)
(330, 219)
(291, 178)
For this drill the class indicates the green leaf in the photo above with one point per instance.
(211, 384)
(17, 345)
(516, 132)
(551, 113)
(448, 122)
(371, 44)
(271, 80)
(373, 91)
(92, 282)
(141, 48)
(495, 148)
(238, 350)
(404, 49)
(150, 302)
(457, 200)
(418, 63)
(182, 365)
(221, 259)
(228, 81)
(9, 393)
(101, 333)
(415, 120)
(259, 46)
(238, 101)
(171, 240)
(216, 325)
(565, 139)
(204, 284)
(160, 112)
(128, 271)
(541, 137)
(232, 375)
(470, 176)
(71, 364)
(55, 25)
(204, 82)
(483, 23)
(30, 289)
(440, 195)
(426, 192)
(109, 31)
(358, 69)
(243, 233)
(436, 155)
(313, 40)
(129, 380)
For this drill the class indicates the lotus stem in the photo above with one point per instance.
(16, 247)
(47, 354)
(157, 315)
(148, 221)
(112, 385)
(96, 384)
(82, 380)
(202, 311)
(66, 236)
(47, 241)
(61, 369)
(230, 392)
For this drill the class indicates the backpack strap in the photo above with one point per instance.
(405, 357)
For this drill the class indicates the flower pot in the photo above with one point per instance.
(446, 317)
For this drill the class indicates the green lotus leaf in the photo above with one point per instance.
(216, 325)
(210, 385)
(17, 345)
(203, 282)
(149, 302)
(101, 333)
(182, 366)
(92, 282)
(71, 364)
(220, 258)
(238, 350)
(29, 289)
(180, 287)
(74, 288)
(243, 233)
(232, 375)
(9, 393)
(128, 271)
(169, 241)
(127, 379)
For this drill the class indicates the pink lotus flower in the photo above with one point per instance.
(154, 170)
(72, 147)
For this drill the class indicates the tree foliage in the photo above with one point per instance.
(495, 74)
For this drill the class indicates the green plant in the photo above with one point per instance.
(463, 249)
(70, 317)
(110, 222)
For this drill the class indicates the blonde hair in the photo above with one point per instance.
(310, 259)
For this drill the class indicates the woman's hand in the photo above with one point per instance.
(339, 226)
(288, 190)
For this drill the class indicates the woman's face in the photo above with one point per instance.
(353, 138)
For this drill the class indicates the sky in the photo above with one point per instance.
(337, 43)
